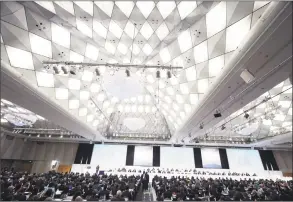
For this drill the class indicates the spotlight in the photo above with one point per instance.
(127, 73)
(158, 75)
(201, 126)
(223, 127)
(217, 114)
(169, 75)
(56, 70)
(97, 72)
(64, 70)
(72, 72)
(246, 115)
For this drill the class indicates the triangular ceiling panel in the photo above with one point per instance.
(102, 32)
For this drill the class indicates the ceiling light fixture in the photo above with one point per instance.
(223, 127)
(97, 72)
(64, 70)
(247, 76)
(72, 71)
(127, 73)
(246, 115)
(169, 75)
(158, 75)
(201, 126)
(56, 70)
(217, 114)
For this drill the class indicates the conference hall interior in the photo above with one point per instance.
(146, 101)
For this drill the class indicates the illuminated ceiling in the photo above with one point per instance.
(199, 36)
(267, 116)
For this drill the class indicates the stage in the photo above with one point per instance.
(86, 168)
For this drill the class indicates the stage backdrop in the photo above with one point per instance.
(177, 157)
(109, 156)
(245, 160)
(117, 156)
(143, 156)
(210, 158)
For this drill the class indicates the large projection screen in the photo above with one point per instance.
(244, 160)
(109, 156)
(177, 157)
(143, 156)
(211, 158)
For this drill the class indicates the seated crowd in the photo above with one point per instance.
(200, 189)
(18, 186)
(179, 171)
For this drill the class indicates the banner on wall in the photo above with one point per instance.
(64, 168)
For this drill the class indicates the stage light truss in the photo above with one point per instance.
(74, 68)
(223, 139)
(139, 135)
(42, 131)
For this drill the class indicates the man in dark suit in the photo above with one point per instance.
(145, 180)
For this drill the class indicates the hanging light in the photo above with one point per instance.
(64, 70)
(56, 70)
(158, 75)
(169, 75)
(97, 72)
(127, 73)
(223, 127)
(246, 115)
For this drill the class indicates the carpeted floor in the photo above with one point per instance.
(144, 195)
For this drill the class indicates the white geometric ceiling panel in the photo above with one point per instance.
(125, 6)
(198, 36)
(40, 46)
(66, 5)
(106, 6)
(166, 7)
(20, 58)
(186, 7)
(216, 19)
(87, 6)
(60, 35)
(145, 7)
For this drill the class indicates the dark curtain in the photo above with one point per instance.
(268, 160)
(84, 153)
(224, 158)
(197, 157)
(156, 156)
(130, 155)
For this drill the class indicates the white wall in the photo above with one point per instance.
(284, 160)
(244, 160)
(41, 154)
(177, 157)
